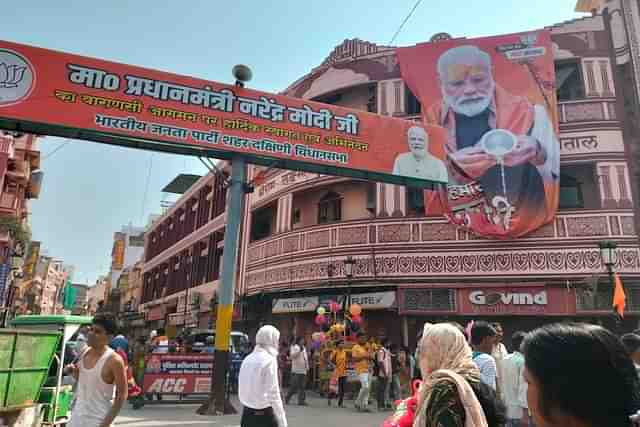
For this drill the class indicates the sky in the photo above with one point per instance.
(91, 190)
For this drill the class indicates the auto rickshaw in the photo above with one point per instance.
(32, 336)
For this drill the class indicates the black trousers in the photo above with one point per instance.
(381, 388)
(258, 418)
(298, 385)
(342, 381)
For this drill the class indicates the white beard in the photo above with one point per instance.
(468, 109)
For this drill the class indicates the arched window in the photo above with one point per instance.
(330, 208)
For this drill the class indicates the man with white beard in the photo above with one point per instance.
(472, 105)
(418, 162)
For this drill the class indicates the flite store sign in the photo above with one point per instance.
(48, 92)
(178, 373)
(516, 300)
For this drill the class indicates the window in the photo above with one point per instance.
(569, 81)
(578, 187)
(372, 103)
(297, 215)
(570, 193)
(263, 222)
(415, 201)
(330, 208)
(413, 105)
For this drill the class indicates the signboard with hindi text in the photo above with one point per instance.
(48, 92)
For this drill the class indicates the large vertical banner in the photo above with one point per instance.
(495, 98)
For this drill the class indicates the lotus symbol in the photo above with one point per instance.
(11, 75)
(17, 77)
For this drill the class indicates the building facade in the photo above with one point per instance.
(82, 299)
(409, 268)
(20, 181)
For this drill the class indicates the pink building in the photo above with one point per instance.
(300, 228)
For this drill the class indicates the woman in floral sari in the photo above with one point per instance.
(452, 394)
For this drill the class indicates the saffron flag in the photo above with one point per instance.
(618, 296)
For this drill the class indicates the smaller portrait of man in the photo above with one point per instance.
(418, 162)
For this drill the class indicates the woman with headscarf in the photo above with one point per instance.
(258, 388)
(452, 394)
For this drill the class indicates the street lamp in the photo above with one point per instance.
(608, 255)
(609, 258)
(348, 271)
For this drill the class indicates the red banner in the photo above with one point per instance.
(68, 95)
(495, 98)
(516, 300)
(177, 373)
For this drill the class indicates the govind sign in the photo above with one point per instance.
(48, 92)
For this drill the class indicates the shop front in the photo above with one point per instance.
(295, 316)
(155, 316)
(517, 307)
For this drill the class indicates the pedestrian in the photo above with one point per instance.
(120, 341)
(483, 339)
(361, 358)
(452, 394)
(514, 388)
(383, 360)
(299, 370)
(100, 373)
(499, 353)
(209, 347)
(339, 359)
(258, 388)
(394, 385)
(160, 343)
(631, 343)
(283, 356)
(579, 375)
(407, 365)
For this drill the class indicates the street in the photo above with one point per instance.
(315, 415)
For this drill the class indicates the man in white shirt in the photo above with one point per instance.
(258, 388)
(513, 383)
(499, 353)
(483, 338)
(418, 162)
(299, 369)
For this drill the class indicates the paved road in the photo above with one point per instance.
(317, 414)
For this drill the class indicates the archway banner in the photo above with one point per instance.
(48, 92)
(495, 99)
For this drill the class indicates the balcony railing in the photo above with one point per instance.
(426, 248)
(427, 232)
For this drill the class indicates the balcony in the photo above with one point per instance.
(8, 202)
(421, 248)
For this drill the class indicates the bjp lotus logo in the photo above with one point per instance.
(11, 75)
(16, 77)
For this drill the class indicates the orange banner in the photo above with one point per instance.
(495, 99)
(43, 91)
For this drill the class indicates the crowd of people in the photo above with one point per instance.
(565, 374)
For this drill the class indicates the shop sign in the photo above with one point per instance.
(178, 373)
(529, 300)
(294, 305)
(369, 300)
(375, 300)
(156, 313)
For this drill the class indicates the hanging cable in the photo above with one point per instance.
(415, 6)
(55, 150)
(146, 189)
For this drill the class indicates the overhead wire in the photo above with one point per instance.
(146, 189)
(415, 6)
(55, 150)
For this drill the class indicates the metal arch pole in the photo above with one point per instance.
(218, 404)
